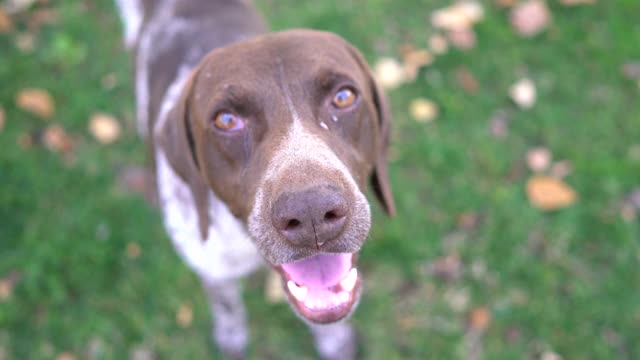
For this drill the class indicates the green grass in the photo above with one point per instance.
(566, 281)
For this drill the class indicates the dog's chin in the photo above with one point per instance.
(322, 288)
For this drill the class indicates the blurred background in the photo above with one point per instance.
(515, 163)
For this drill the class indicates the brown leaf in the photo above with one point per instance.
(447, 268)
(109, 81)
(468, 221)
(25, 42)
(2, 118)
(560, 169)
(66, 356)
(531, 17)
(538, 159)
(414, 59)
(134, 250)
(463, 38)
(438, 44)
(577, 2)
(423, 110)
(25, 141)
(36, 101)
(105, 128)
(41, 17)
(461, 15)
(14, 6)
(506, 3)
(467, 80)
(133, 179)
(56, 139)
(550, 355)
(6, 24)
(184, 316)
(548, 193)
(479, 319)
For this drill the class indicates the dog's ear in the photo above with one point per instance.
(380, 176)
(175, 138)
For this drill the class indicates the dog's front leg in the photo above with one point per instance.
(230, 330)
(335, 341)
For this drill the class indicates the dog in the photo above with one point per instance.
(262, 145)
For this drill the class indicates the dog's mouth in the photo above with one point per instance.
(324, 287)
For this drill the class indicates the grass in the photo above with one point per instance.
(565, 281)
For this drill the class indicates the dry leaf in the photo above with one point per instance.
(2, 118)
(530, 17)
(36, 101)
(423, 110)
(14, 6)
(460, 15)
(109, 81)
(56, 139)
(25, 42)
(506, 3)
(273, 290)
(133, 250)
(628, 212)
(561, 169)
(40, 17)
(468, 221)
(548, 193)
(538, 159)
(631, 70)
(133, 179)
(523, 93)
(66, 356)
(479, 319)
(184, 316)
(467, 80)
(499, 124)
(577, 2)
(25, 141)
(447, 268)
(463, 39)
(458, 299)
(550, 355)
(105, 128)
(6, 289)
(414, 59)
(389, 73)
(6, 24)
(438, 44)
(142, 353)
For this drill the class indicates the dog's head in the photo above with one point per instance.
(287, 129)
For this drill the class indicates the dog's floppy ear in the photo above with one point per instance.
(380, 175)
(176, 139)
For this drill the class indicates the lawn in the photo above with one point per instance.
(470, 268)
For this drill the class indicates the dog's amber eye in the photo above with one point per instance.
(344, 98)
(227, 121)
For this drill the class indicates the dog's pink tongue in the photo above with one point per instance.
(323, 270)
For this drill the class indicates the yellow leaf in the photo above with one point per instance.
(184, 316)
(36, 101)
(548, 193)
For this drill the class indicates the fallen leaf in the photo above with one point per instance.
(560, 169)
(14, 6)
(66, 356)
(25, 42)
(550, 355)
(389, 73)
(479, 319)
(273, 291)
(142, 353)
(631, 70)
(577, 2)
(36, 101)
(2, 118)
(109, 81)
(467, 80)
(628, 212)
(105, 128)
(463, 14)
(458, 299)
(6, 289)
(184, 316)
(548, 193)
(499, 124)
(438, 44)
(133, 179)
(25, 141)
(523, 93)
(468, 221)
(423, 110)
(538, 159)
(506, 3)
(6, 24)
(414, 59)
(463, 39)
(133, 250)
(447, 268)
(530, 18)
(41, 17)
(56, 139)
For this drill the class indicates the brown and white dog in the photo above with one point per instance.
(262, 146)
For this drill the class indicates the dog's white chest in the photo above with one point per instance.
(228, 251)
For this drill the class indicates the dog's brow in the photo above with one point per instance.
(287, 92)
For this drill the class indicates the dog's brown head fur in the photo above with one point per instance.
(286, 129)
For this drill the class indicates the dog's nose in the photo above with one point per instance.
(312, 217)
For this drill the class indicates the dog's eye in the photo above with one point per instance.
(227, 121)
(345, 97)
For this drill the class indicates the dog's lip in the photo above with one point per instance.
(323, 300)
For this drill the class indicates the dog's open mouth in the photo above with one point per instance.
(323, 287)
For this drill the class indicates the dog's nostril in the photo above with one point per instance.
(330, 215)
(292, 224)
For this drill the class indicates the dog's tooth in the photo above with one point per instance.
(349, 281)
(299, 292)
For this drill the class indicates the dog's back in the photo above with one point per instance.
(169, 37)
